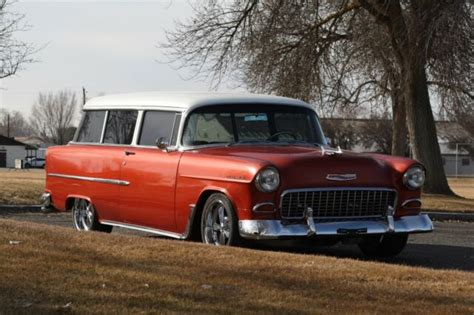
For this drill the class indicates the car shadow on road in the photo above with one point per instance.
(416, 255)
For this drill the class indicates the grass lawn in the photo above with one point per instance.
(26, 187)
(21, 187)
(464, 187)
(47, 269)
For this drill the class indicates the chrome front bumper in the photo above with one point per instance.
(274, 229)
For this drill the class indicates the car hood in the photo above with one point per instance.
(305, 167)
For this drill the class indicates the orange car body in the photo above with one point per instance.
(162, 191)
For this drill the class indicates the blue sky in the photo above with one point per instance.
(105, 46)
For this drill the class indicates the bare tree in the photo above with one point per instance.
(14, 53)
(13, 124)
(340, 52)
(52, 116)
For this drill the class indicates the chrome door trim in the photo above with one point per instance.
(92, 179)
(144, 229)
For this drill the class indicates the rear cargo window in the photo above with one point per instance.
(91, 127)
(120, 126)
(156, 125)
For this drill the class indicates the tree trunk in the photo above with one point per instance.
(421, 124)
(399, 123)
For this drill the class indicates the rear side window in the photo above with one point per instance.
(91, 127)
(120, 126)
(158, 124)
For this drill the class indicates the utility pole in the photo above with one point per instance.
(8, 125)
(84, 98)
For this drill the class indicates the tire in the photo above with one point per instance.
(219, 223)
(384, 246)
(84, 217)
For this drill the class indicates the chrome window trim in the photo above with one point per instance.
(92, 179)
(102, 135)
(137, 129)
(285, 192)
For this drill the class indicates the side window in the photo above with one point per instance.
(120, 126)
(91, 127)
(156, 125)
(208, 128)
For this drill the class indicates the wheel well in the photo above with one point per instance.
(196, 227)
(69, 203)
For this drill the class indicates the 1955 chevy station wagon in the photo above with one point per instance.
(224, 168)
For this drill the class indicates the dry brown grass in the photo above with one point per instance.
(58, 269)
(463, 187)
(21, 187)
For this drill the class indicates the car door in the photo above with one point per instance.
(149, 199)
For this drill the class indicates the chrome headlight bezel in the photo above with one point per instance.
(414, 177)
(267, 179)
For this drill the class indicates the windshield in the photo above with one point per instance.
(231, 124)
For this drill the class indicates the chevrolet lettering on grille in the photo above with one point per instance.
(341, 177)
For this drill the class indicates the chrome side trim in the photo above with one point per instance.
(92, 179)
(274, 229)
(262, 204)
(411, 200)
(143, 229)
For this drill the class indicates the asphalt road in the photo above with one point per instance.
(450, 246)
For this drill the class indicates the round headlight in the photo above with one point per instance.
(414, 178)
(268, 179)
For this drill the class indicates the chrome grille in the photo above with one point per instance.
(337, 203)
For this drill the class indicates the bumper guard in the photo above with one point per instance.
(275, 229)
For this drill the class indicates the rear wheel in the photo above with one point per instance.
(85, 218)
(386, 245)
(219, 224)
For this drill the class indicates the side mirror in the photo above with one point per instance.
(162, 144)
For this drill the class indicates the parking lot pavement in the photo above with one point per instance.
(450, 246)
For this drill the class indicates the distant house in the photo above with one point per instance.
(36, 146)
(368, 135)
(10, 150)
(457, 148)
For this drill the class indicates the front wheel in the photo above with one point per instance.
(386, 245)
(85, 218)
(219, 224)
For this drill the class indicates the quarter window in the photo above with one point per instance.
(120, 126)
(158, 125)
(91, 127)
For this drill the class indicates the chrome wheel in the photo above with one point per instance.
(83, 215)
(218, 227)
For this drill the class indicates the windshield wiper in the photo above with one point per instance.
(248, 142)
(302, 142)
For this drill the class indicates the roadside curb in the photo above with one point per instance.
(20, 208)
(451, 216)
(434, 215)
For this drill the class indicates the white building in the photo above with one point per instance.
(10, 150)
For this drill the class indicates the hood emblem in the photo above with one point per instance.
(341, 177)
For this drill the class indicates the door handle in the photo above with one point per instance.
(127, 153)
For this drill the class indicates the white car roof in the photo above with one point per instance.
(184, 100)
